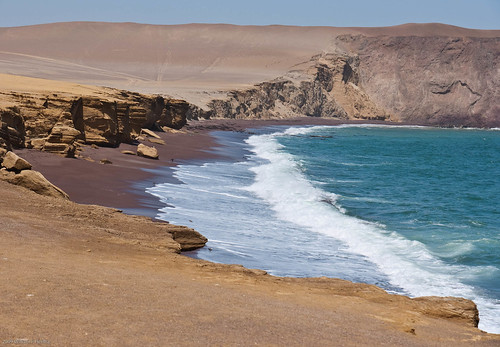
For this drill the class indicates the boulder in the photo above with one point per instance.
(63, 134)
(149, 133)
(188, 238)
(38, 143)
(128, 152)
(157, 141)
(13, 162)
(36, 182)
(147, 152)
(61, 140)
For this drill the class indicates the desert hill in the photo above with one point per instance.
(422, 73)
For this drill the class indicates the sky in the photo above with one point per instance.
(477, 14)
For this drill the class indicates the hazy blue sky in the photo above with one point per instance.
(480, 14)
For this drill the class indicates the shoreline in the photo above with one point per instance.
(100, 277)
(122, 183)
(83, 246)
(101, 268)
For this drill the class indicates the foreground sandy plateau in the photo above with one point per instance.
(88, 275)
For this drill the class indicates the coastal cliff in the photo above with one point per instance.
(441, 81)
(326, 86)
(61, 122)
(431, 74)
(444, 81)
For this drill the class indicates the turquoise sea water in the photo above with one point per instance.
(414, 210)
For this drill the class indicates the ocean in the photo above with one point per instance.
(414, 210)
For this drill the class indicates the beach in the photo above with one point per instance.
(119, 282)
(108, 266)
(88, 181)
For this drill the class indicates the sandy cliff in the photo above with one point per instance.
(425, 73)
(59, 116)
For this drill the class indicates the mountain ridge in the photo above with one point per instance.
(427, 73)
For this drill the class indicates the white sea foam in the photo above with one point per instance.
(455, 249)
(408, 264)
(384, 126)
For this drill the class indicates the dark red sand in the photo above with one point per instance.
(122, 183)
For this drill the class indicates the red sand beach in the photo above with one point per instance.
(88, 181)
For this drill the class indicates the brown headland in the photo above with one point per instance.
(427, 73)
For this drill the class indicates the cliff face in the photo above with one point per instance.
(326, 86)
(421, 73)
(424, 80)
(59, 123)
(431, 80)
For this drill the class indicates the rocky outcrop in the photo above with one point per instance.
(326, 86)
(429, 80)
(59, 124)
(16, 170)
(62, 141)
(12, 162)
(450, 308)
(188, 238)
(147, 152)
(174, 114)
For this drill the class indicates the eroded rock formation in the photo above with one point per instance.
(59, 123)
(424, 80)
(16, 170)
(326, 86)
(188, 238)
